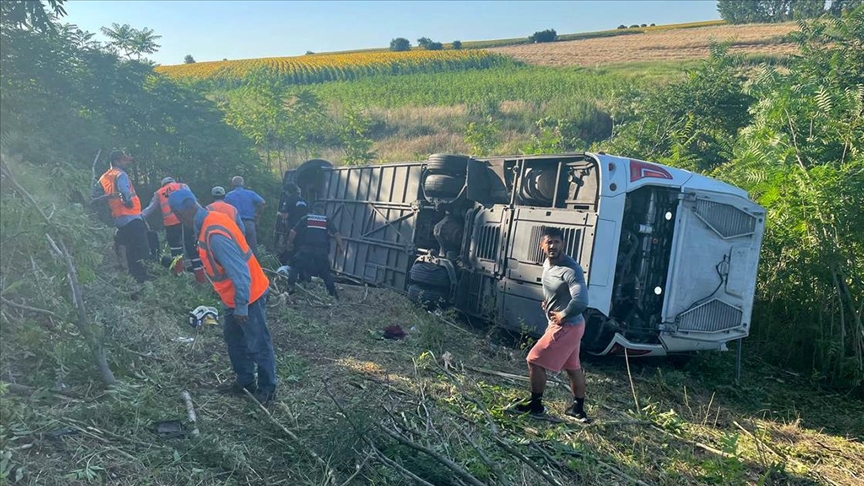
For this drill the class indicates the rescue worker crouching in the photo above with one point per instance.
(312, 235)
(242, 286)
(178, 238)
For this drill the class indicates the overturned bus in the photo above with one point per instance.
(670, 257)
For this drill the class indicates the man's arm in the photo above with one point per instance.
(578, 293)
(259, 204)
(125, 190)
(228, 254)
(154, 203)
(334, 232)
(239, 222)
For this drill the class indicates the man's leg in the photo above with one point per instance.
(174, 235)
(190, 245)
(537, 377)
(260, 346)
(577, 377)
(322, 264)
(251, 235)
(238, 352)
(134, 237)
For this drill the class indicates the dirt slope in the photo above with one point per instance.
(666, 45)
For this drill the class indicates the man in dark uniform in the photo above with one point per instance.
(292, 207)
(311, 235)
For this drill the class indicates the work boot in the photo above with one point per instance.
(577, 412)
(264, 398)
(532, 407)
(235, 388)
(177, 268)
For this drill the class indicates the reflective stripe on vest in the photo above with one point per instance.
(317, 234)
(216, 223)
(109, 185)
(168, 218)
(224, 208)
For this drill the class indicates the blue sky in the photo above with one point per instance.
(213, 30)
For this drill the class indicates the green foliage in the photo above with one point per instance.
(400, 44)
(64, 96)
(802, 157)
(31, 14)
(355, 138)
(561, 90)
(131, 41)
(188, 59)
(548, 35)
(737, 12)
(457, 44)
(690, 124)
(482, 136)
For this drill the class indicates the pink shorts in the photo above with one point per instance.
(558, 348)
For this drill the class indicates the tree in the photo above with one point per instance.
(188, 59)
(31, 14)
(423, 41)
(132, 41)
(457, 45)
(434, 46)
(400, 44)
(548, 35)
(355, 138)
(741, 12)
(802, 158)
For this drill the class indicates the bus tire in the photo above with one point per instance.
(447, 164)
(443, 186)
(428, 297)
(429, 275)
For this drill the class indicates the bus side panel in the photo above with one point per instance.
(374, 209)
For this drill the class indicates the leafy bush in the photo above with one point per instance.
(400, 44)
(548, 35)
(434, 46)
(622, 26)
(457, 44)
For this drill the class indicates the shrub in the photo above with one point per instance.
(434, 46)
(634, 26)
(548, 35)
(188, 59)
(457, 44)
(622, 26)
(644, 25)
(400, 44)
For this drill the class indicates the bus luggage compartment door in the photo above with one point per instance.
(521, 287)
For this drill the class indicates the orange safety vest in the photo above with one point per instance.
(109, 185)
(224, 208)
(216, 223)
(168, 218)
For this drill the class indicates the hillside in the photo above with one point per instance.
(658, 45)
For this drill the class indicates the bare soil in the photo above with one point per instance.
(666, 45)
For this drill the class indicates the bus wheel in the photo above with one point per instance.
(428, 297)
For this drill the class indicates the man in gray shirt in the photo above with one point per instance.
(565, 297)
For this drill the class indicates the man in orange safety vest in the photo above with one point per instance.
(178, 238)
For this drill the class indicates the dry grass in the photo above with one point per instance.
(661, 45)
(341, 383)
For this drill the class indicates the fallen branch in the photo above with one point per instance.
(395, 465)
(462, 473)
(502, 479)
(29, 390)
(504, 375)
(190, 410)
(32, 309)
(96, 348)
(331, 476)
(359, 468)
(606, 465)
(693, 442)
(518, 455)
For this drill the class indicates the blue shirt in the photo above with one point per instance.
(122, 186)
(228, 254)
(245, 201)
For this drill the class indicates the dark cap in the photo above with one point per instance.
(117, 155)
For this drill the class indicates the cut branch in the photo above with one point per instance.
(462, 473)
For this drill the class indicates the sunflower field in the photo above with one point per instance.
(320, 68)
